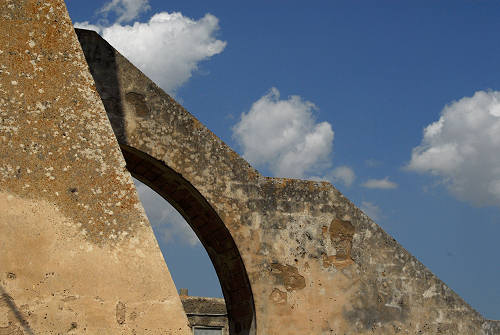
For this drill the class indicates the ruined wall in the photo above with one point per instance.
(77, 254)
(206, 312)
(316, 264)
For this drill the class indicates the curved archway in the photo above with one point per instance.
(312, 258)
(209, 228)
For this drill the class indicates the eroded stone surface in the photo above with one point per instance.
(316, 264)
(74, 238)
(202, 312)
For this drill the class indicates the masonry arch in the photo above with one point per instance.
(121, 87)
(209, 228)
(280, 237)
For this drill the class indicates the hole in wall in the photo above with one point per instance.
(186, 258)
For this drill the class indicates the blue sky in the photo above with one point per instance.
(342, 91)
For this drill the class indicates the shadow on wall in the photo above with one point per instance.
(210, 230)
(7, 301)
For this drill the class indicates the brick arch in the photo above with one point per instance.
(209, 228)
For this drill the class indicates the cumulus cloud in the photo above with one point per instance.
(380, 183)
(125, 10)
(343, 174)
(282, 134)
(462, 148)
(167, 223)
(370, 209)
(167, 48)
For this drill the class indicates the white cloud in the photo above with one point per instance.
(125, 10)
(167, 48)
(372, 210)
(380, 183)
(343, 174)
(87, 25)
(463, 149)
(164, 218)
(283, 136)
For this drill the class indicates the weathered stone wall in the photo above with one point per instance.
(77, 254)
(316, 264)
(206, 312)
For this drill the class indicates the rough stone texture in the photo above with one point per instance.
(77, 252)
(293, 256)
(206, 312)
(203, 305)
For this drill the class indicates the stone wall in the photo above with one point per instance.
(313, 262)
(206, 312)
(77, 253)
(79, 256)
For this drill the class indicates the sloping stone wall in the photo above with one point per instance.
(315, 263)
(77, 253)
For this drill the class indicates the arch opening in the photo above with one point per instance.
(211, 231)
(188, 262)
